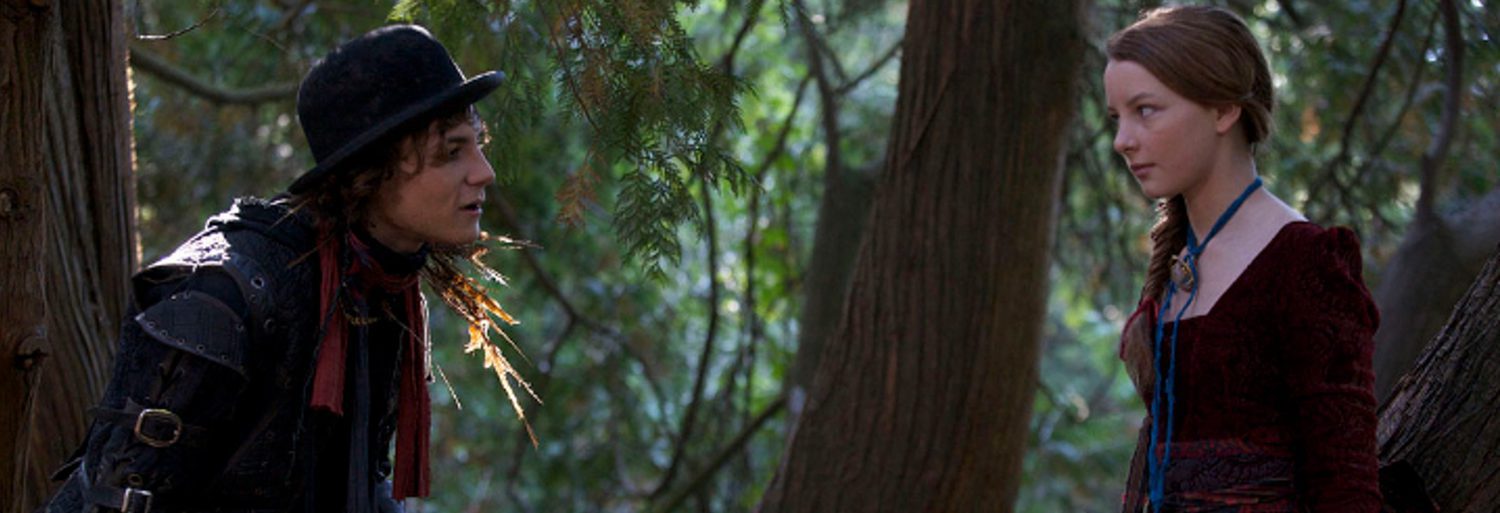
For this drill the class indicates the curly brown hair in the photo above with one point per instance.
(342, 202)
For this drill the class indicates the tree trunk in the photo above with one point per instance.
(842, 216)
(1437, 260)
(26, 29)
(1441, 425)
(90, 230)
(921, 400)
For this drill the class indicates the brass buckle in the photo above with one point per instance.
(165, 415)
(133, 497)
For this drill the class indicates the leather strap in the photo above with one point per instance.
(126, 500)
(156, 427)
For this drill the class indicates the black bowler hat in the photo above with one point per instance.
(373, 87)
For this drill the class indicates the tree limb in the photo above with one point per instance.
(723, 455)
(1369, 84)
(1291, 12)
(290, 16)
(562, 65)
(163, 37)
(1407, 101)
(1453, 93)
(752, 16)
(1330, 168)
(879, 63)
(686, 432)
(816, 43)
(575, 318)
(146, 61)
(827, 94)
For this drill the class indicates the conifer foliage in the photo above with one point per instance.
(630, 72)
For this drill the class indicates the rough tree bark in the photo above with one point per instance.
(1441, 423)
(25, 32)
(90, 248)
(921, 400)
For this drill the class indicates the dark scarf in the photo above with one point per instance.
(361, 275)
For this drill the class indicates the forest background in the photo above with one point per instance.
(694, 178)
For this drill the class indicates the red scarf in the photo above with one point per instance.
(414, 409)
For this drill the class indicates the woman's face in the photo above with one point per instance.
(1169, 142)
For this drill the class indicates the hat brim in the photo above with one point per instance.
(467, 93)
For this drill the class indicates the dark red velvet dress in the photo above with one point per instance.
(1274, 403)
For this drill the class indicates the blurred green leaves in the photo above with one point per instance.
(612, 111)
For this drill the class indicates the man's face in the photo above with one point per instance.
(436, 199)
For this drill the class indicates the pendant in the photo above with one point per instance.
(1182, 274)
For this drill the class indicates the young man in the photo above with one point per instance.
(267, 363)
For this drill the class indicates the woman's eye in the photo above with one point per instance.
(1146, 110)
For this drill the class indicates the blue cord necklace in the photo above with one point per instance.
(1187, 268)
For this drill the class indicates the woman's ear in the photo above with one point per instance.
(1227, 117)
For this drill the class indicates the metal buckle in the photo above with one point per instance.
(164, 415)
(128, 500)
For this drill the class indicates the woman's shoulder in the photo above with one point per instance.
(1320, 269)
(1320, 248)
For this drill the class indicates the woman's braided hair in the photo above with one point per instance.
(1207, 55)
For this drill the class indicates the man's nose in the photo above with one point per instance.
(482, 173)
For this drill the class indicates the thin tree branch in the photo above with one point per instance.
(562, 65)
(163, 37)
(781, 136)
(752, 17)
(879, 63)
(688, 419)
(1292, 14)
(815, 40)
(1330, 168)
(1369, 84)
(510, 221)
(1406, 103)
(1453, 93)
(753, 328)
(293, 12)
(832, 134)
(146, 61)
(723, 455)
(1410, 98)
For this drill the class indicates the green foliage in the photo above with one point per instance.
(627, 70)
(612, 116)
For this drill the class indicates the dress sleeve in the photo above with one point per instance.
(1329, 344)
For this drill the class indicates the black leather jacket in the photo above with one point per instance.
(207, 409)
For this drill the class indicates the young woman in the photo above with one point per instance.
(268, 363)
(1251, 344)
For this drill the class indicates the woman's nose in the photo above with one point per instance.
(1124, 140)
